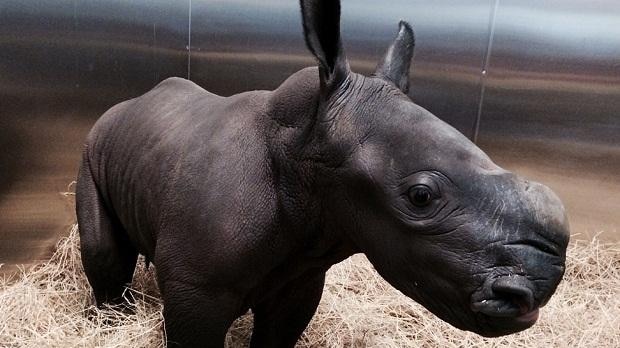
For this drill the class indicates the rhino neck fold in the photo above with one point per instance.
(294, 103)
(301, 168)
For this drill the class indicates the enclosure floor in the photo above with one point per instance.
(50, 305)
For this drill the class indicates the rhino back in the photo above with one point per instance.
(182, 159)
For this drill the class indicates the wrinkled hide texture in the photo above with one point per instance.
(245, 202)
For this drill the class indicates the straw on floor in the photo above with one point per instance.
(50, 305)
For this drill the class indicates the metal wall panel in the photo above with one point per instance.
(62, 64)
(36, 69)
(125, 47)
(549, 107)
(552, 104)
(34, 37)
(245, 45)
(242, 45)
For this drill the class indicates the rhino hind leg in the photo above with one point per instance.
(280, 320)
(108, 257)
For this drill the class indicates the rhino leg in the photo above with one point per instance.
(195, 316)
(280, 320)
(108, 256)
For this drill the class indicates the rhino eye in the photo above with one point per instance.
(420, 195)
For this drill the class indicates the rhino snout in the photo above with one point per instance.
(506, 304)
(549, 214)
(506, 296)
(527, 265)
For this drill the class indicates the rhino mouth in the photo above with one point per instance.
(500, 308)
(508, 300)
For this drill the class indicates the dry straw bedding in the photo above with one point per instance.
(50, 305)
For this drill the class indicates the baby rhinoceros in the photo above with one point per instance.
(245, 202)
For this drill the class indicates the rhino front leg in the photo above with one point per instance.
(196, 317)
(280, 320)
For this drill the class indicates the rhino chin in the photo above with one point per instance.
(493, 326)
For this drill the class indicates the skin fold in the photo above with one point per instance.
(245, 202)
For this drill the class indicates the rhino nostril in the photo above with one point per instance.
(516, 290)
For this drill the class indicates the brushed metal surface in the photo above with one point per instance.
(548, 103)
(551, 108)
(35, 69)
(243, 45)
(62, 64)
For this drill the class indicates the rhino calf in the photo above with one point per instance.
(245, 202)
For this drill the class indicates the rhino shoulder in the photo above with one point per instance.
(296, 99)
(177, 83)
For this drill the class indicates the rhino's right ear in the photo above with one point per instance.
(394, 67)
(321, 22)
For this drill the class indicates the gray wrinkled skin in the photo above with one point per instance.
(245, 202)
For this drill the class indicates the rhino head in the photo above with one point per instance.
(480, 247)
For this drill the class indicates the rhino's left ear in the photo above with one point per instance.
(321, 21)
(394, 67)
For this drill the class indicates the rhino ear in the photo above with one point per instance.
(394, 67)
(321, 22)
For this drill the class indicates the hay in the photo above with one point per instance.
(50, 305)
